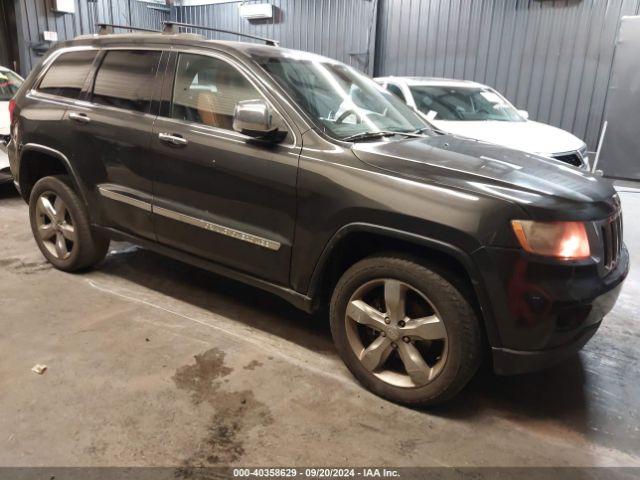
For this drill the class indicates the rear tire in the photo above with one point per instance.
(386, 311)
(61, 228)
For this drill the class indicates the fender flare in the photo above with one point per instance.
(464, 258)
(27, 147)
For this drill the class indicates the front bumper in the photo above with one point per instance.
(543, 312)
(514, 362)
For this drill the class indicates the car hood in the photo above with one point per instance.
(543, 187)
(528, 136)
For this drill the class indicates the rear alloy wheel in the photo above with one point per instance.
(55, 226)
(61, 228)
(404, 330)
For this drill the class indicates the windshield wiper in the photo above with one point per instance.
(379, 134)
(430, 128)
(368, 135)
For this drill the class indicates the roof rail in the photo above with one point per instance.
(107, 28)
(172, 27)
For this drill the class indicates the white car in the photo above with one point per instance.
(9, 84)
(477, 111)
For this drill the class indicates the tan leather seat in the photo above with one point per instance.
(210, 111)
(206, 106)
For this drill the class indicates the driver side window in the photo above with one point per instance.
(207, 89)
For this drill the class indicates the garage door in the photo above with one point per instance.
(623, 104)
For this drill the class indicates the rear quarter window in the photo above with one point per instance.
(66, 76)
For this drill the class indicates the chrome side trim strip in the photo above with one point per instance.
(196, 222)
(118, 197)
(221, 229)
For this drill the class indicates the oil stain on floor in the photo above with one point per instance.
(236, 413)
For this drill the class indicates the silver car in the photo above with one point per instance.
(478, 111)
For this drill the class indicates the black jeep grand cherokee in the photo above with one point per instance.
(297, 174)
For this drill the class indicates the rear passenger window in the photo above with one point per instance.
(206, 90)
(125, 79)
(67, 74)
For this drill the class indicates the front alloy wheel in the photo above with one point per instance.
(405, 329)
(396, 333)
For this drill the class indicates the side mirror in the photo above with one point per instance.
(255, 119)
(524, 114)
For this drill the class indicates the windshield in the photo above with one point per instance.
(463, 104)
(338, 99)
(9, 85)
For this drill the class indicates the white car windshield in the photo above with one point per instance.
(470, 104)
(338, 99)
(9, 85)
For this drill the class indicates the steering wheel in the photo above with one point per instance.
(458, 113)
(347, 113)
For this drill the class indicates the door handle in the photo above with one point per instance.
(177, 140)
(79, 117)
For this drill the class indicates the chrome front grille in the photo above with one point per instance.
(611, 231)
(574, 159)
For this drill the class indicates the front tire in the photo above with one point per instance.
(61, 228)
(404, 331)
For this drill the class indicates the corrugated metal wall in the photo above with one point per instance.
(35, 17)
(552, 58)
(341, 29)
(8, 46)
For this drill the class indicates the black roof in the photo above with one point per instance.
(246, 49)
(185, 39)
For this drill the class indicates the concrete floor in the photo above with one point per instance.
(152, 362)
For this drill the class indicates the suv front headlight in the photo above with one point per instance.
(563, 240)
